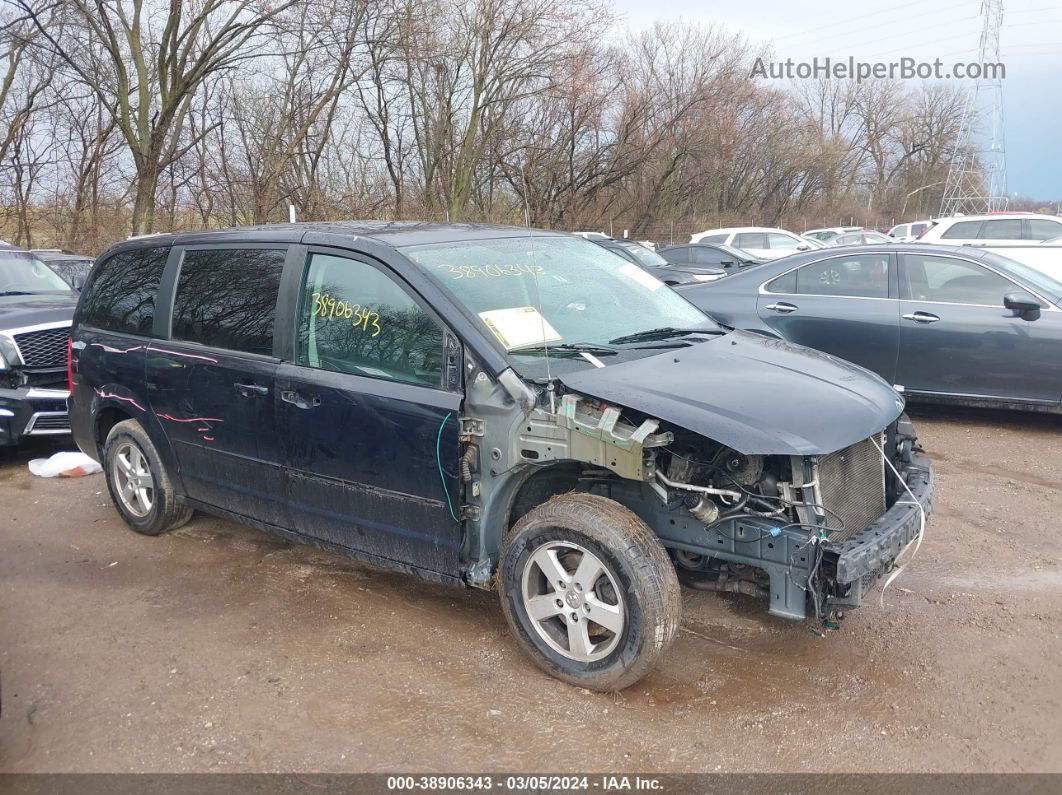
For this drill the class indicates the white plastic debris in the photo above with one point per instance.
(64, 465)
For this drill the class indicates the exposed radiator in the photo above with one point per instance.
(852, 487)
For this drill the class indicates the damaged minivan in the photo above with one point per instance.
(495, 407)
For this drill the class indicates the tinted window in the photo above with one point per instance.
(954, 281)
(226, 298)
(714, 239)
(963, 230)
(917, 229)
(777, 241)
(355, 319)
(679, 255)
(1009, 229)
(864, 276)
(751, 240)
(122, 294)
(898, 231)
(1042, 229)
(785, 283)
(708, 256)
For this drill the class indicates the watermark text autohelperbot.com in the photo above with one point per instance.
(851, 69)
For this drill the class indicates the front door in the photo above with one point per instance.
(211, 385)
(840, 304)
(957, 338)
(370, 440)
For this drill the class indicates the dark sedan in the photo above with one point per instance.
(948, 324)
(655, 264)
(709, 255)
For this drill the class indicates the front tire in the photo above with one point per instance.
(138, 482)
(589, 591)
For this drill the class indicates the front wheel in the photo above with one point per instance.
(589, 591)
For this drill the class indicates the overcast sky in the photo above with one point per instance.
(886, 30)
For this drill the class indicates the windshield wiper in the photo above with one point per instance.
(569, 347)
(16, 292)
(663, 333)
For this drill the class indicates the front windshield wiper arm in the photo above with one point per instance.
(568, 347)
(16, 292)
(662, 333)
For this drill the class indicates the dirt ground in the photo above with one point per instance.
(217, 648)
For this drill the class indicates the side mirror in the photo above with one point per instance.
(727, 263)
(803, 246)
(1022, 305)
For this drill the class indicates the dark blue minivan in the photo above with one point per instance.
(493, 407)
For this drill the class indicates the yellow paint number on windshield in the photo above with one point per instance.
(473, 271)
(364, 319)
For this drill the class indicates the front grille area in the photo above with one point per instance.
(852, 487)
(43, 348)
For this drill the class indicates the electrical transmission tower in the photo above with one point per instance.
(977, 177)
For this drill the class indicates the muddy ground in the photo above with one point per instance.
(217, 648)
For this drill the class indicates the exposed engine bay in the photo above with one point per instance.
(784, 527)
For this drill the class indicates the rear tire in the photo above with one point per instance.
(138, 482)
(589, 591)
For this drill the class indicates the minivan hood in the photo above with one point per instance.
(20, 311)
(758, 395)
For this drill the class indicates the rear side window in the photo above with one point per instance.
(898, 231)
(714, 239)
(356, 319)
(679, 255)
(751, 240)
(963, 230)
(122, 294)
(1004, 229)
(226, 298)
(918, 229)
(864, 276)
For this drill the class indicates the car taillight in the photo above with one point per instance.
(70, 364)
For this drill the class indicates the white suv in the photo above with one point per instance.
(759, 241)
(998, 229)
(909, 233)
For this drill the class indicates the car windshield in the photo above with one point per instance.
(21, 273)
(527, 292)
(1038, 280)
(644, 255)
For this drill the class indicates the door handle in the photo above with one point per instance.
(921, 317)
(782, 306)
(300, 401)
(250, 390)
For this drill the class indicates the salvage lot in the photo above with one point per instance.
(218, 648)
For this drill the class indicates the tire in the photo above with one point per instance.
(637, 583)
(153, 508)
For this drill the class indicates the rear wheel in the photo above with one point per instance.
(138, 482)
(589, 591)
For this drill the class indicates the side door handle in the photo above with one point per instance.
(922, 317)
(782, 306)
(300, 401)
(251, 390)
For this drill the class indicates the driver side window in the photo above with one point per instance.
(354, 318)
(865, 276)
(954, 281)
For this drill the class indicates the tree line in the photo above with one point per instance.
(123, 117)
